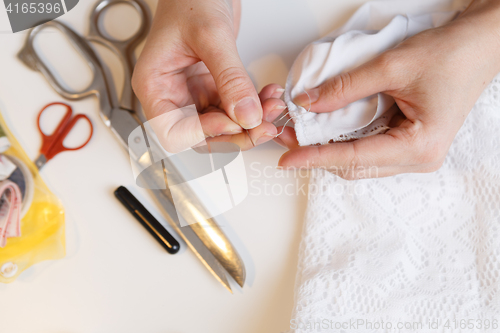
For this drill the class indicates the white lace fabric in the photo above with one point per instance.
(410, 248)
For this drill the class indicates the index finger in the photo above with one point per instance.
(392, 150)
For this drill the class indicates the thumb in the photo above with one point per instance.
(237, 93)
(345, 88)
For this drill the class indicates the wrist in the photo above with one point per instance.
(478, 28)
(485, 14)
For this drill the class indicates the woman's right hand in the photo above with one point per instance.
(190, 57)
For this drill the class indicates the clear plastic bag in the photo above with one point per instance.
(42, 234)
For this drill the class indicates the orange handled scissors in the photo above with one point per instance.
(53, 144)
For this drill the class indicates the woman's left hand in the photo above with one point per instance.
(435, 77)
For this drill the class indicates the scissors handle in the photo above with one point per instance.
(53, 144)
(124, 49)
(49, 140)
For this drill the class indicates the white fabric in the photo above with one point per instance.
(375, 28)
(410, 248)
(6, 166)
(414, 248)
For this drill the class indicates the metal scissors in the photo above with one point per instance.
(124, 49)
(203, 236)
(53, 144)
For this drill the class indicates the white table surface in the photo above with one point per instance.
(115, 277)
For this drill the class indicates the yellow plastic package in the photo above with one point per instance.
(42, 235)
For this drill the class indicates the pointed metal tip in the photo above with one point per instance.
(226, 284)
(239, 275)
(241, 282)
(230, 290)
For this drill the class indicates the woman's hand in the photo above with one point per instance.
(190, 57)
(435, 77)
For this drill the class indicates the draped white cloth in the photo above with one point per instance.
(410, 253)
(375, 27)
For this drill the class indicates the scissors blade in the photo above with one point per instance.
(192, 210)
(219, 257)
(40, 161)
(152, 179)
(191, 239)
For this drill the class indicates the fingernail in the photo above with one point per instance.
(247, 113)
(274, 113)
(266, 137)
(306, 99)
(278, 93)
